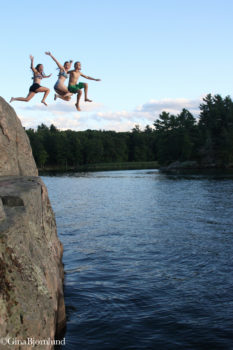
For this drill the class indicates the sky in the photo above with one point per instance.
(150, 55)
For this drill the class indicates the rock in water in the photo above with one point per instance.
(31, 270)
(15, 150)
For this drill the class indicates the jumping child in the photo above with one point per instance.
(60, 87)
(35, 88)
(75, 88)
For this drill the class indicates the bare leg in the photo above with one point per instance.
(69, 94)
(45, 96)
(25, 99)
(46, 92)
(66, 97)
(85, 92)
(79, 94)
(62, 93)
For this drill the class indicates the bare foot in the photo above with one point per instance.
(12, 99)
(55, 97)
(87, 100)
(44, 103)
(77, 107)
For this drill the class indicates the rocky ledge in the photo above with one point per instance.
(31, 269)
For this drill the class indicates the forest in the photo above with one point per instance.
(206, 139)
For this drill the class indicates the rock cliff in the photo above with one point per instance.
(31, 270)
(15, 150)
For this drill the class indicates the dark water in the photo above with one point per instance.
(148, 259)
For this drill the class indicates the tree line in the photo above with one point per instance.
(207, 139)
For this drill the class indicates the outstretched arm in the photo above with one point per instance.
(47, 76)
(55, 60)
(32, 64)
(90, 78)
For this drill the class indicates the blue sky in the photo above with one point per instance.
(151, 55)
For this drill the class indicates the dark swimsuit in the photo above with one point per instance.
(35, 86)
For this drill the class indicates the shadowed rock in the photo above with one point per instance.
(12, 201)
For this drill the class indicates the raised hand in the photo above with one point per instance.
(48, 53)
(97, 79)
(31, 57)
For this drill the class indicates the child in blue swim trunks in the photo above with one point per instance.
(75, 88)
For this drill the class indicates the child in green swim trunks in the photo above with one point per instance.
(75, 88)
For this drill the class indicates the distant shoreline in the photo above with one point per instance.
(173, 168)
(101, 167)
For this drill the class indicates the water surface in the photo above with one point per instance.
(148, 259)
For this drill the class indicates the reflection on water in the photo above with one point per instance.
(148, 259)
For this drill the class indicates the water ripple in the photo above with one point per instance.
(148, 259)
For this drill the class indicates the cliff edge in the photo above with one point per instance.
(31, 269)
(15, 150)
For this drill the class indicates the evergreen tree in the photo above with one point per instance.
(174, 137)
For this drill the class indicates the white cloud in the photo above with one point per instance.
(27, 122)
(61, 107)
(173, 106)
(60, 121)
(95, 116)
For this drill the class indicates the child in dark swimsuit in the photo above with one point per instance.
(36, 87)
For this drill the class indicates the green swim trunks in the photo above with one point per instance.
(74, 88)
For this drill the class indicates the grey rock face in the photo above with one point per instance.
(15, 150)
(2, 212)
(31, 270)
